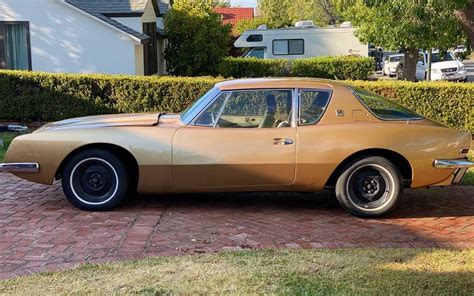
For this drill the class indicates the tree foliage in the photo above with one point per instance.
(197, 38)
(408, 24)
(284, 13)
(249, 24)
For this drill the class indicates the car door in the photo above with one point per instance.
(244, 138)
(421, 67)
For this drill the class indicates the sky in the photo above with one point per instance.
(244, 3)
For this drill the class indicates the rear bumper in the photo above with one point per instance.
(19, 167)
(453, 164)
(460, 165)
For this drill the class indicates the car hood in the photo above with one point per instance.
(446, 64)
(137, 119)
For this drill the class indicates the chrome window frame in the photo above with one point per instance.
(211, 94)
(380, 118)
(299, 90)
(207, 103)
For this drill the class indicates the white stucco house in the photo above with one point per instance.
(83, 36)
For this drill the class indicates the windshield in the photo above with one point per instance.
(442, 57)
(256, 53)
(383, 108)
(192, 110)
(395, 59)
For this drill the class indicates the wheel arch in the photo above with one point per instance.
(398, 160)
(124, 155)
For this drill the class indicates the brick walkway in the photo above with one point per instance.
(40, 230)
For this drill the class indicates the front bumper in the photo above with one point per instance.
(461, 75)
(19, 167)
(460, 165)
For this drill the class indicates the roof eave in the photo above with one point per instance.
(77, 9)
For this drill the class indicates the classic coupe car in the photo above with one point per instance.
(282, 134)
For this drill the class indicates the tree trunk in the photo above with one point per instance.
(466, 18)
(409, 67)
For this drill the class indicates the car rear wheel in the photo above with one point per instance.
(95, 180)
(369, 187)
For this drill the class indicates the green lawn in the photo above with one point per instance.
(314, 272)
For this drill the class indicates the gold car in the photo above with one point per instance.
(250, 135)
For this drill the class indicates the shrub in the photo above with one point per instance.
(197, 38)
(346, 67)
(30, 96)
(33, 96)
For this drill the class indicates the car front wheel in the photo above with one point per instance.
(95, 180)
(369, 187)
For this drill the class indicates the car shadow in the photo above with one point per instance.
(415, 203)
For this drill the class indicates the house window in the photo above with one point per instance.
(15, 49)
(288, 47)
(255, 38)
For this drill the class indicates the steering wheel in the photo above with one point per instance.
(283, 124)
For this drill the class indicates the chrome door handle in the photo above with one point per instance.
(282, 141)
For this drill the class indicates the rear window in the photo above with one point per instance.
(383, 108)
(395, 59)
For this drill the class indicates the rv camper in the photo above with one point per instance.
(302, 41)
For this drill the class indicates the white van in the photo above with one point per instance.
(302, 41)
(444, 66)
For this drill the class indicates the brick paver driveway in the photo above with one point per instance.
(40, 230)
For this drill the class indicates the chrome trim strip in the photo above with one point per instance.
(295, 106)
(207, 98)
(458, 175)
(20, 167)
(452, 163)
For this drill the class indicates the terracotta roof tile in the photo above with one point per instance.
(234, 14)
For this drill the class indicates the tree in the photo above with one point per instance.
(248, 24)
(465, 15)
(221, 3)
(197, 38)
(409, 24)
(275, 12)
(284, 13)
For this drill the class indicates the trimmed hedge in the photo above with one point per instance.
(345, 67)
(32, 96)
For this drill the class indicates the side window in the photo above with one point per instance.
(288, 47)
(209, 117)
(296, 47)
(250, 109)
(313, 103)
(421, 58)
(254, 38)
(257, 52)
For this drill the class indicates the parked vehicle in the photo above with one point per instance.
(390, 64)
(460, 49)
(444, 66)
(287, 134)
(302, 41)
